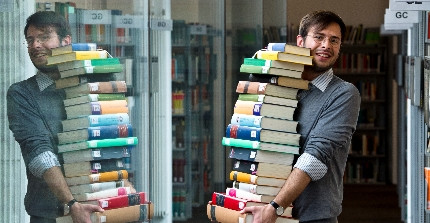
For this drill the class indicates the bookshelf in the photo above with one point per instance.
(365, 66)
(193, 67)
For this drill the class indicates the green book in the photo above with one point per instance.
(98, 69)
(274, 147)
(87, 63)
(93, 97)
(129, 141)
(252, 69)
(273, 63)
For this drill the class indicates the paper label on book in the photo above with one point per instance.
(104, 203)
(87, 63)
(89, 70)
(267, 63)
(257, 120)
(92, 143)
(253, 180)
(95, 133)
(130, 141)
(252, 154)
(94, 177)
(255, 144)
(227, 141)
(253, 133)
(261, 87)
(97, 166)
(97, 153)
(94, 119)
(93, 86)
(256, 110)
(93, 97)
(102, 218)
(261, 97)
(119, 163)
(96, 108)
(265, 70)
(241, 205)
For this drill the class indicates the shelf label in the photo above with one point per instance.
(198, 29)
(420, 5)
(162, 24)
(392, 16)
(96, 17)
(128, 21)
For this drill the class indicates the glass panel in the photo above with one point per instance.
(197, 104)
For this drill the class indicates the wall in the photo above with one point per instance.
(368, 12)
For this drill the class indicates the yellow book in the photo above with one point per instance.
(77, 55)
(277, 55)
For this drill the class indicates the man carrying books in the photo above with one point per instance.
(327, 115)
(35, 110)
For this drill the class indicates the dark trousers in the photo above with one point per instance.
(36, 219)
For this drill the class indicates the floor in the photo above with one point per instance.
(362, 204)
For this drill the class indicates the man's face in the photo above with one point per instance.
(39, 45)
(324, 45)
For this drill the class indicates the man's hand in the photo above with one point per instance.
(262, 214)
(81, 213)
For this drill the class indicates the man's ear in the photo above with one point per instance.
(300, 41)
(67, 40)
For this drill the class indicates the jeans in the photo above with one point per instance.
(36, 219)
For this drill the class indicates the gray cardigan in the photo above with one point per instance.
(327, 121)
(27, 108)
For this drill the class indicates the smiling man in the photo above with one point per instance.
(35, 110)
(327, 115)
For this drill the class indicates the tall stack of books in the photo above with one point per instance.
(97, 139)
(262, 134)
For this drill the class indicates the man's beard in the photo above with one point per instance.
(46, 68)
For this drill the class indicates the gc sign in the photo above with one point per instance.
(397, 17)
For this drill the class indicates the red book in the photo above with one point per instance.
(229, 202)
(123, 201)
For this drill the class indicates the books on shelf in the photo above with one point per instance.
(248, 87)
(102, 143)
(95, 133)
(93, 97)
(287, 48)
(89, 167)
(263, 109)
(97, 177)
(77, 55)
(278, 55)
(262, 169)
(261, 156)
(74, 47)
(276, 124)
(87, 63)
(258, 180)
(97, 108)
(95, 120)
(96, 88)
(262, 135)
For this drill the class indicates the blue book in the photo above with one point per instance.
(95, 120)
(74, 47)
(264, 122)
(95, 133)
(243, 132)
(115, 152)
(261, 156)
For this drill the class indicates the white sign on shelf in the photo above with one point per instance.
(198, 30)
(96, 17)
(420, 5)
(128, 21)
(393, 16)
(162, 24)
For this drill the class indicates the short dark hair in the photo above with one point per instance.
(320, 19)
(49, 19)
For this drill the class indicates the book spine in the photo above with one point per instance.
(95, 187)
(251, 97)
(129, 141)
(111, 119)
(101, 62)
(243, 194)
(244, 68)
(225, 201)
(84, 46)
(102, 194)
(108, 68)
(267, 55)
(251, 108)
(243, 154)
(251, 87)
(252, 188)
(243, 132)
(245, 167)
(240, 143)
(220, 214)
(246, 120)
(276, 47)
(243, 177)
(109, 132)
(123, 201)
(136, 213)
(88, 55)
(254, 62)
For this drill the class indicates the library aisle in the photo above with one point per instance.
(361, 204)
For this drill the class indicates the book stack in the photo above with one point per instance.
(262, 134)
(97, 138)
